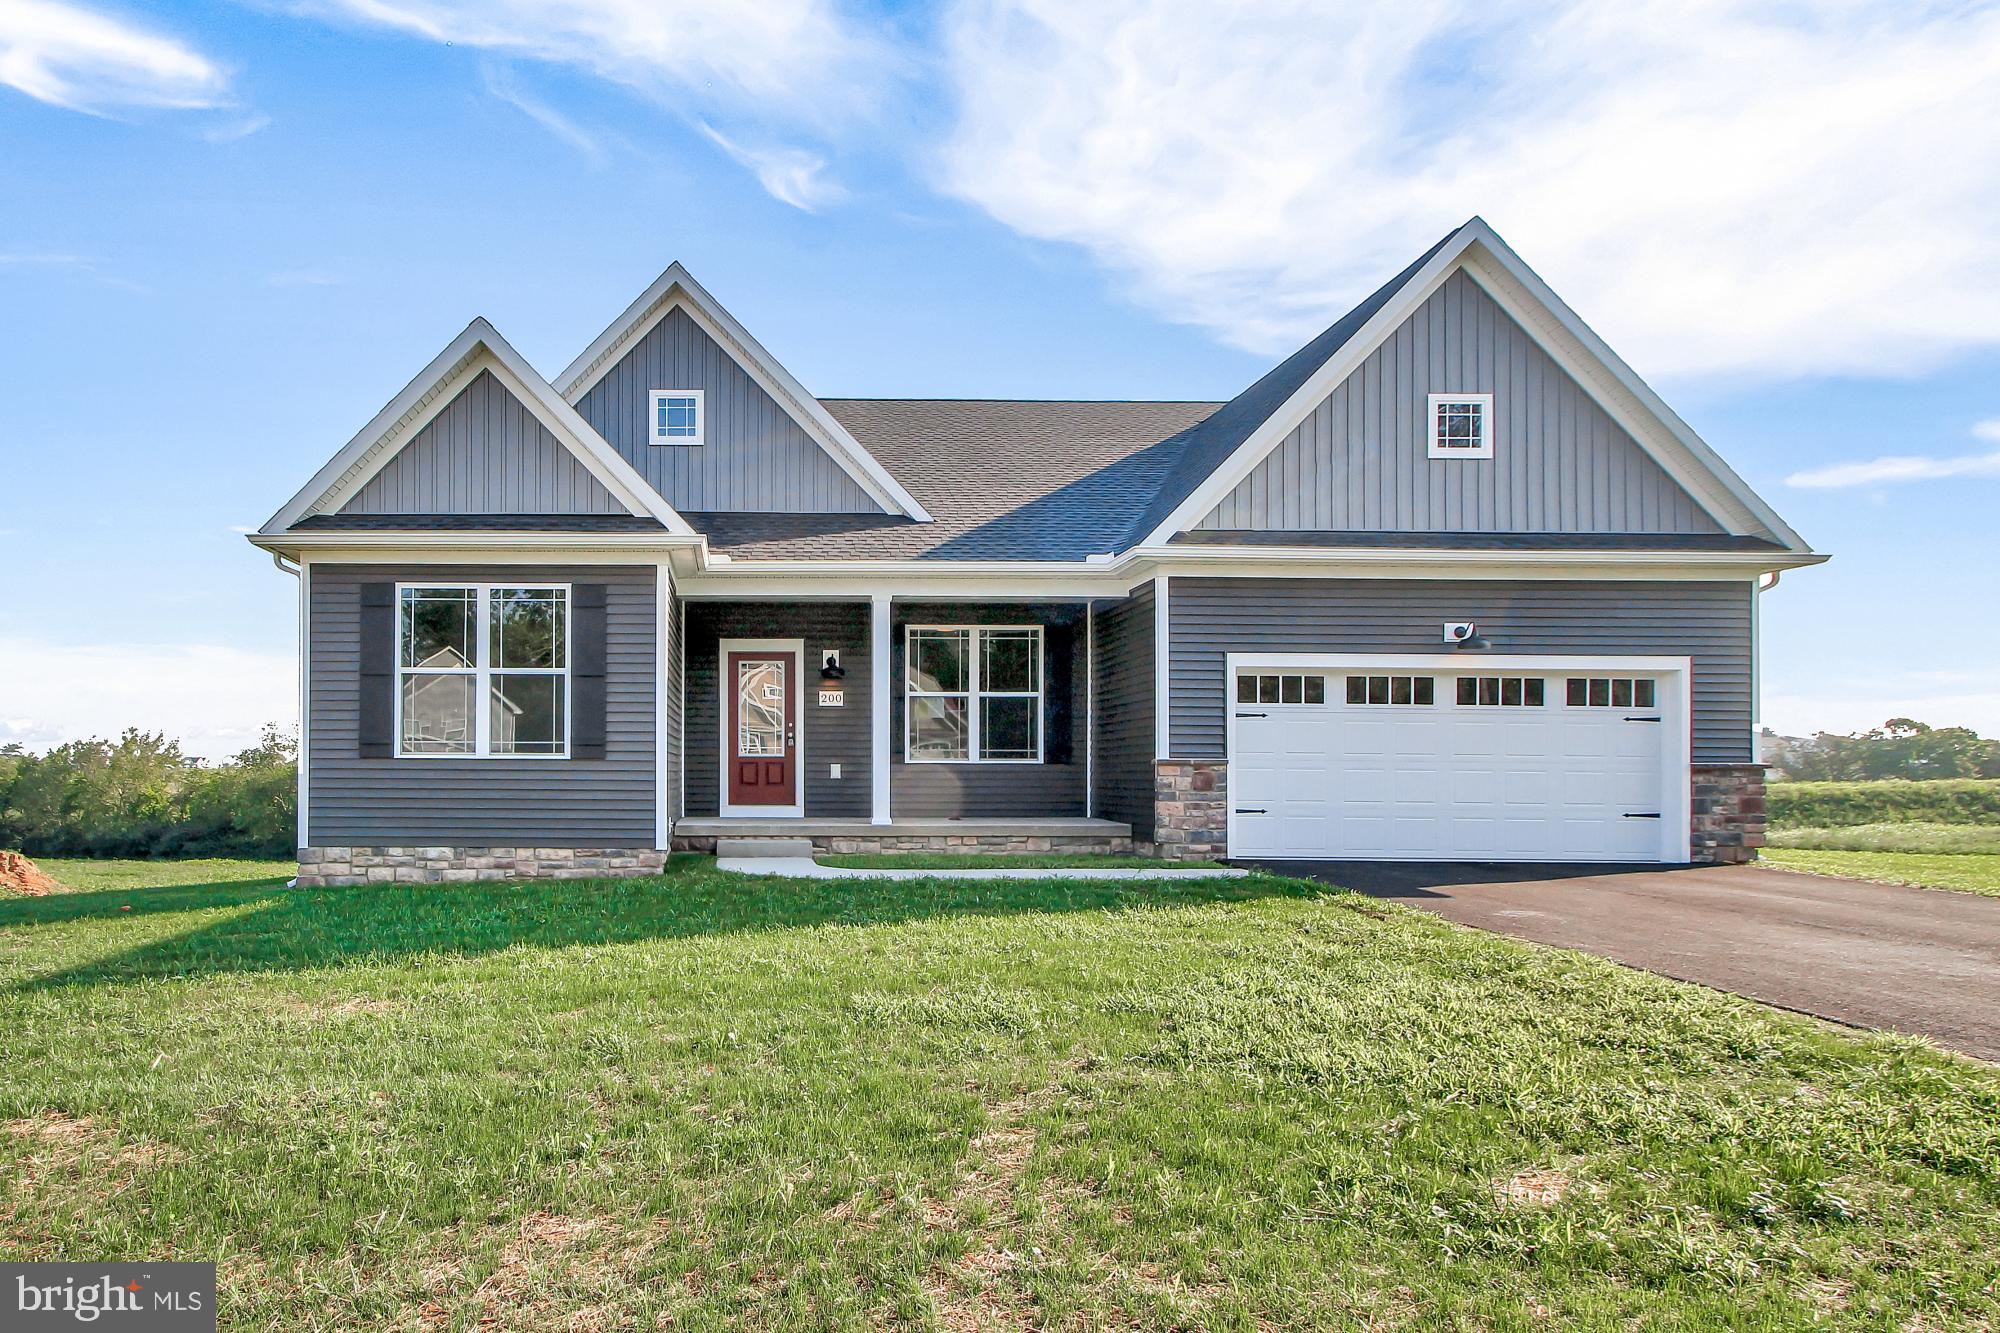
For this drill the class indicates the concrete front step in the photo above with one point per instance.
(791, 848)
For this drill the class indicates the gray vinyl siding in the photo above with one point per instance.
(755, 457)
(1359, 462)
(831, 735)
(1706, 621)
(480, 802)
(1122, 712)
(485, 453)
(990, 791)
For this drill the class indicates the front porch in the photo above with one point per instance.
(1078, 835)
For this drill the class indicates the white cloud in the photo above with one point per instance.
(1904, 467)
(76, 58)
(237, 128)
(501, 83)
(213, 699)
(790, 175)
(798, 56)
(1914, 467)
(1719, 185)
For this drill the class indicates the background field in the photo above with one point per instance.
(1943, 835)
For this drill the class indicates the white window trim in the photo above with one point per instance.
(975, 691)
(700, 436)
(483, 673)
(1439, 450)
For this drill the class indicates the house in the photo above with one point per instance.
(1448, 582)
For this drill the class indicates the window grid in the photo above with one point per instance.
(1274, 688)
(478, 659)
(1418, 691)
(1611, 692)
(675, 416)
(1461, 425)
(1502, 691)
(973, 694)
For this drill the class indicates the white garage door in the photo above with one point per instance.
(1477, 763)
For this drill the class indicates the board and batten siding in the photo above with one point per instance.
(1048, 790)
(1706, 621)
(485, 453)
(356, 802)
(1122, 712)
(754, 458)
(830, 735)
(1359, 462)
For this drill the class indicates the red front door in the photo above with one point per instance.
(762, 741)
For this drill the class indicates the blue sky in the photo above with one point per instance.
(228, 234)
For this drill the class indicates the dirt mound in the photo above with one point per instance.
(21, 875)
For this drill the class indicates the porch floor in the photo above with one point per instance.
(734, 827)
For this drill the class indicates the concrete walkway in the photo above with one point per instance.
(804, 867)
(1922, 961)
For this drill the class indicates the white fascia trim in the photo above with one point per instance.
(663, 649)
(677, 289)
(479, 347)
(1609, 381)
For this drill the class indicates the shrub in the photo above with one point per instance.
(1842, 804)
(140, 796)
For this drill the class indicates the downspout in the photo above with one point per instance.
(1759, 588)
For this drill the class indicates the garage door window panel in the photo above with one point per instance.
(1419, 691)
(1280, 688)
(1611, 692)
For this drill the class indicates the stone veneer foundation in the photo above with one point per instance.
(1190, 809)
(1728, 821)
(320, 867)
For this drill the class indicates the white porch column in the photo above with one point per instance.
(879, 703)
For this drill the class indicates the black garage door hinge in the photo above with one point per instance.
(1253, 715)
(1241, 810)
(1653, 815)
(1642, 719)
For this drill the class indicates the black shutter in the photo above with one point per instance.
(586, 670)
(1056, 709)
(377, 724)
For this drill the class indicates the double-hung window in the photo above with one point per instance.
(973, 694)
(482, 669)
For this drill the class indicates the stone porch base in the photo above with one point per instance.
(992, 836)
(321, 867)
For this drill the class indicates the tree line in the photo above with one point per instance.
(1900, 748)
(140, 796)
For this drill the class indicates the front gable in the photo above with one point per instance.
(484, 453)
(768, 446)
(477, 432)
(753, 456)
(1239, 439)
(1359, 461)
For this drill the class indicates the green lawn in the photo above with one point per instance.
(990, 861)
(703, 1101)
(1968, 873)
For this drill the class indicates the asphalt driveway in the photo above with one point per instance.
(1919, 961)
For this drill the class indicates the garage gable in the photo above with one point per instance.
(1361, 460)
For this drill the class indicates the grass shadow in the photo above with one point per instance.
(299, 929)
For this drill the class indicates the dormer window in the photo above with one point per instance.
(1461, 425)
(676, 416)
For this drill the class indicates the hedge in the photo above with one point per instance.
(1843, 804)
